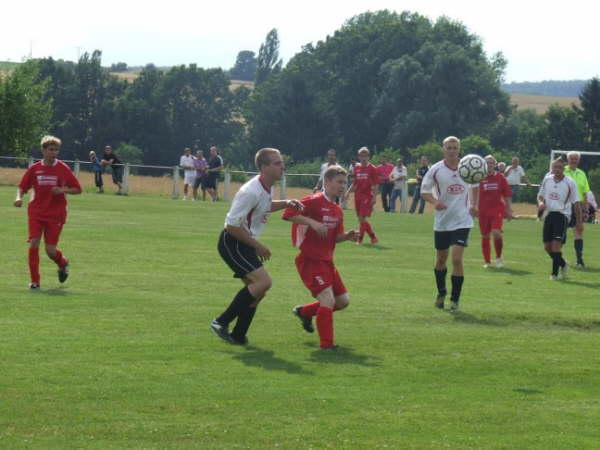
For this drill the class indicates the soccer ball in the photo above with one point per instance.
(472, 169)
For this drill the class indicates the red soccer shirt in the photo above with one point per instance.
(384, 171)
(492, 191)
(365, 178)
(45, 205)
(321, 209)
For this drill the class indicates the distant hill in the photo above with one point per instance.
(552, 88)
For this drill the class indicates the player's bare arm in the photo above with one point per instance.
(509, 211)
(243, 236)
(319, 228)
(277, 205)
(56, 190)
(473, 207)
(578, 217)
(19, 199)
(437, 204)
(351, 235)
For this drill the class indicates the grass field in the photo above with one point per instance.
(541, 103)
(121, 355)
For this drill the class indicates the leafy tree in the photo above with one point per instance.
(524, 133)
(245, 66)
(118, 67)
(590, 111)
(268, 62)
(476, 144)
(565, 128)
(24, 110)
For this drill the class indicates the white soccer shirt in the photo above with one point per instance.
(559, 195)
(188, 161)
(250, 207)
(515, 175)
(399, 172)
(445, 185)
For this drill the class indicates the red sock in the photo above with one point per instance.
(362, 230)
(325, 326)
(309, 309)
(369, 229)
(59, 259)
(486, 249)
(34, 264)
(498, 244)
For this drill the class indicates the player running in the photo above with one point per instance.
(558, 198)
(240, 249)
(454, 211)
(316, 230)
(50, 179)
(364, 186)
(494, 204)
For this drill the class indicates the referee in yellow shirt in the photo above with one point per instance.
(580, 179)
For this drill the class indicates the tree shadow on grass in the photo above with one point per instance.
(464, 317)
(376, 246)
(510, 271)
(342, 355)
(266, 359)
(513, 320)
(588, 269)
(582, 284)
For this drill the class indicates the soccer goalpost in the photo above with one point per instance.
(554, 153)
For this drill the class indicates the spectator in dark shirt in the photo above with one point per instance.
(421, 171)
(109, 158)
(215, 165)
(97, 168)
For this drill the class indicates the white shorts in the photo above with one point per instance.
(189, 178)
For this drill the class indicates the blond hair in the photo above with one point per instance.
(263, 156)
(490, 157)
(334, 171)
(363, 150)
(451, 139)
(50, 140)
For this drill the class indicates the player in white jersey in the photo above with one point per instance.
(558, 198)
(240, 249)
(455, 204)
(186, 162)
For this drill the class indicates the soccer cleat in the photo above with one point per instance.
(63, 273)
(439, 301)
(499, 263)
(580, 264)
(221, 331)
(453, 306)
(305, 321)
(34, 286)
(553, 277)
(374, 240)
(487, 265)
(562, 271)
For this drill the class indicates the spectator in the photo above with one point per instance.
(515, 175)
(109, 158)
(421, 171)
(215, 165)
(590, 215)
(97, 168)
(385, 185)
(501, 167)
(331, 161)
(186, 162)
(201, 166)
(398, 177)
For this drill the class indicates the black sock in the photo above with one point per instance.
(457, 282)
(242, 299)
(243, 323)
(578, 243)
(555, 263)
(561, 260)
(440, 280)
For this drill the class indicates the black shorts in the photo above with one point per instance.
(198, 181)
(117, 174)
(241, 258)
(445, 239)
(209, 182)
(555, 227)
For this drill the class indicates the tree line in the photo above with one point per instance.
(395, 82)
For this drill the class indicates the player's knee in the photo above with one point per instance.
(51, 252)
(457, 261)
(497, 234)
(265, 283)
(342, 302)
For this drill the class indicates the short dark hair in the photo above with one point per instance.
(334, 171)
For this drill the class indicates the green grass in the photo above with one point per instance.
(121, 355)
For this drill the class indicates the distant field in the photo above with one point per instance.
(540, 103)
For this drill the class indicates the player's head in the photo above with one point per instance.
(399, 162)
(50, 147)
(424, 160)
(558, 167)
(491, 163)
(363, 155)
(451, 146)
(108, 149)
(331, 156)
(214, 151)
(187, 151)
(335, 179)
(269, 163)
(573, 158)
(515, 161)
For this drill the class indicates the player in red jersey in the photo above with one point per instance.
(316, 230)
(494, 204)
(50, 179)
(364, 186)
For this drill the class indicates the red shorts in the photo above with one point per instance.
(490, 222)
(50, 229)
(363, 204)
(319, 275)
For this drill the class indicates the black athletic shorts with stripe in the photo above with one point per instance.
(555, 227)
(445, 239)
(241, 258)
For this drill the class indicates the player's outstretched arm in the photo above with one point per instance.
(319, 228)
(66, 190)
(352, 235)
(276, 205)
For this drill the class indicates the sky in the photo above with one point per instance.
(542, 40)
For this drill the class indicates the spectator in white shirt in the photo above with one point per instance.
(331, 161)
(515, 175)
(186, 162)
(398, 177)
